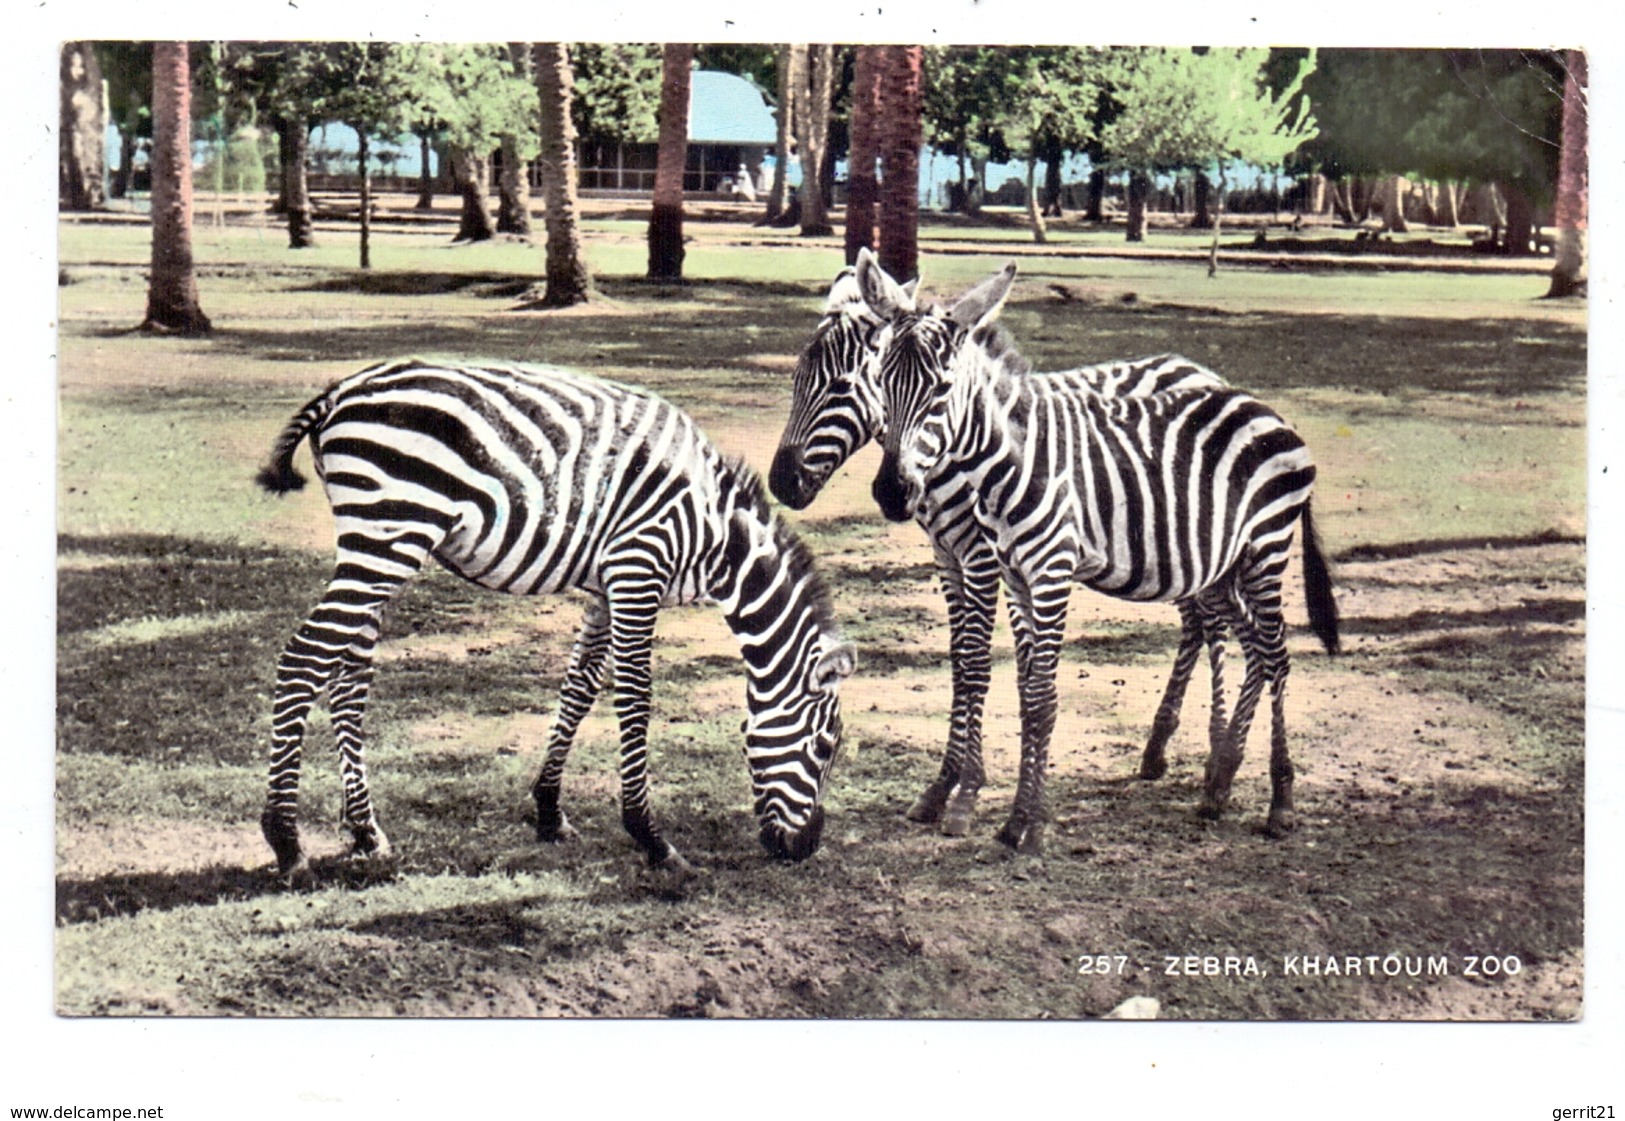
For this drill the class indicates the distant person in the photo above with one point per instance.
(742, 187)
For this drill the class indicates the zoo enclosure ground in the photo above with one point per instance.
(1441, 759)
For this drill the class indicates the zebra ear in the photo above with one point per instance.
(844, 292)
(883, 294)
(983, 303)
(834, 666)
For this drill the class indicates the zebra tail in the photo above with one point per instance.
(1317, 585)
(278, 475)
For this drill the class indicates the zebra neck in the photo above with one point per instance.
(769, 592)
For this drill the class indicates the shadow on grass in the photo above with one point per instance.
(1404, 550)
(123, 894)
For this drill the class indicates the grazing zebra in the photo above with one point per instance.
(531, 480)
(837, 408)
(1188, 496)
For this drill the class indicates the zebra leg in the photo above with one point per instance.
(347, 702)
(632, 611)
(972, 590)
(1282, 819)
(332, 651)
(1262, 637)
(582, 682)
(1038, 619)
(1154, 763)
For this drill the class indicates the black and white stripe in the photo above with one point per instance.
(837, 408)
(534, 480)
(1190, 496)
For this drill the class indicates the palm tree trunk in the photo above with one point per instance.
(568, 281)
(172, 298)
(1573, 183)
(83, 164)
(666, 216)
(862, 186)
(901, 133)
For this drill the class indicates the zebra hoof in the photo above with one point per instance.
(369, 843)
(1280, 823)
(674, 869)
(956, 820)
(927, 809)
(1153, 769)
(1026, 838)
(558, 831)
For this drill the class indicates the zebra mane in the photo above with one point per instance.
(752, 495)
(1001, 350)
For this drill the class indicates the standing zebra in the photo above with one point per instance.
(1188, 496)
(532, 480)
(837, 408)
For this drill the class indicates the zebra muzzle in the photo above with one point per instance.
(794, 844)
(891, 493)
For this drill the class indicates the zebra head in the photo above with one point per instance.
(835, 409)
(795, 660)
(922, 361)
(791, 743)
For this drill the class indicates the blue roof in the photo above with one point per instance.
(727, 109)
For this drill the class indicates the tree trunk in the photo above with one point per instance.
(296, 184)
(513, 203)
(1569, 272)
(1035, 213)
(172, 298)
(366, 196)
(666, 218)
(425, 179)
(473, 172)
(513, 180)
(1139, 188)
(1392, 194)
(1520, 232)
(785, 116)
(1202, 194)
(862, 185)
(1095, 211)
(126, 163)
(812, 136)
(901, 133)
(1051, 200)
(568, 281)
(1342, 202)
(82, 165)
(1447, 210)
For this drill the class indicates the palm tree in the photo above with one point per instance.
(568, 281)
(1573, 183)
(172, 300)
(900, 137)
(666, 218)
(83, 124)
(863, 189)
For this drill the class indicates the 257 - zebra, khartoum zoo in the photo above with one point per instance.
(534, 480)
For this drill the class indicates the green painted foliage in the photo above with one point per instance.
(1202, 108)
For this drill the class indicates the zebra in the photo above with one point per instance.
(836, 409)
(1189, 496)
(533, 480)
